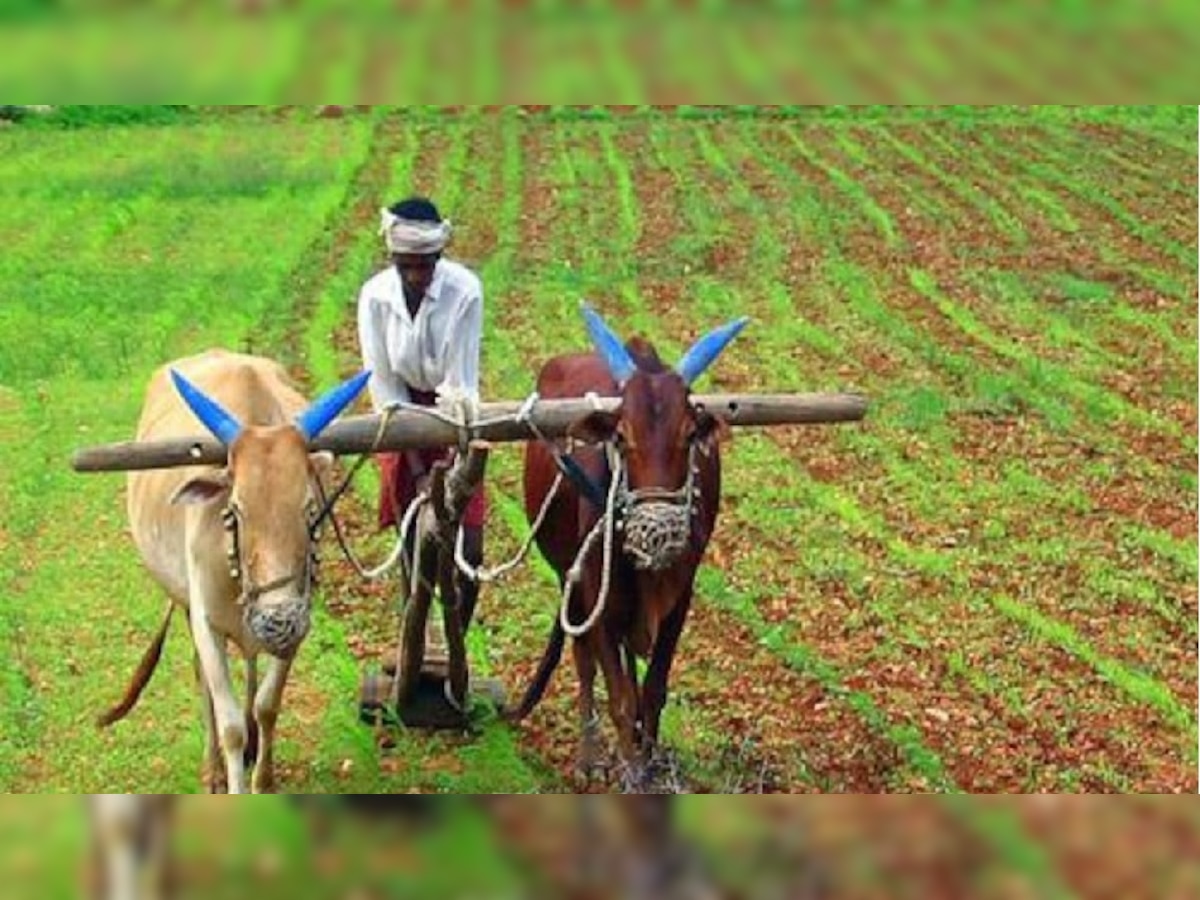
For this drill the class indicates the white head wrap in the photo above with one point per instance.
(409, 236)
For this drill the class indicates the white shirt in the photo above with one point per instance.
(438, 350)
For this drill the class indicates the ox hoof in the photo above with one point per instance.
(663, 773)
(636, 778)
(592, 767)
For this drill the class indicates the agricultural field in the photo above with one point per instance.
(987, 586)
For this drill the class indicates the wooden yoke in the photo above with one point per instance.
(408, 429)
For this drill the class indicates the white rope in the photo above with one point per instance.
(409, 523)
(606, 523)
(484, 576)
(457, 421)
(392, 558)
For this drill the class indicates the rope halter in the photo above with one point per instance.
(657, 522)
(279, 627)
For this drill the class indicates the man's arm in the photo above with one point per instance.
(462, 352)
(384, 386)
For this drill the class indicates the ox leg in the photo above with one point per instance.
(622, 703)
(250, 755)
(660, 863)
(212, 771)
(589, 764)
(230, 719)
(654, 689)
(156, 846)
(114, 821)
(266, 711)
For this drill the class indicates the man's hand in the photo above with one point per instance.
(416, 468)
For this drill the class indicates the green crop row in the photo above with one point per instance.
(781, 335)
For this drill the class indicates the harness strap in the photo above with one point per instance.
(570, 467)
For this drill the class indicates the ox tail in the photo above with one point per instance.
(141, 676)
(541, 678)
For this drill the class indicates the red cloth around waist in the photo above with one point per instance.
(399, 489)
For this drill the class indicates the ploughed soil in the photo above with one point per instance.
(1000, 709)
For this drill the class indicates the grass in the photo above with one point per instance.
(271, 849)
(80, 392)
(922, 763)
(1001, 830)
(849, 437)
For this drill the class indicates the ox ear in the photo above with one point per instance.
(703, 353)
(322, 464)
(216, 418)
(203, 488)
(594, 428)
(325, 408)
(711, 429)
(608, 345)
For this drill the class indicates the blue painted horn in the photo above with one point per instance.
(310, 423)
(325, 408)
(215, 417)
(707, 349)
(608, 345)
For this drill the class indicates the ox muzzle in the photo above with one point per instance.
(278, 621)
(656, 523)
(280, 627)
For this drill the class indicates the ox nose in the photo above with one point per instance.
(281, 626)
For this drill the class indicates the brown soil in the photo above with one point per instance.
(1003, 725)
(821, 462)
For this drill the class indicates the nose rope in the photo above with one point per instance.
(605, 526)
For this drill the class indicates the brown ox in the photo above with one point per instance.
(233, 546)
(666, 498)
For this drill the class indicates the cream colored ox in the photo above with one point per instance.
(233, 546)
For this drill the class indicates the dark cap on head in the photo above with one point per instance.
(416, 209)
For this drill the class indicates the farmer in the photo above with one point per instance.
(419, 326)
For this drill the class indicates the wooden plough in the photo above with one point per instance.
(432, 687)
